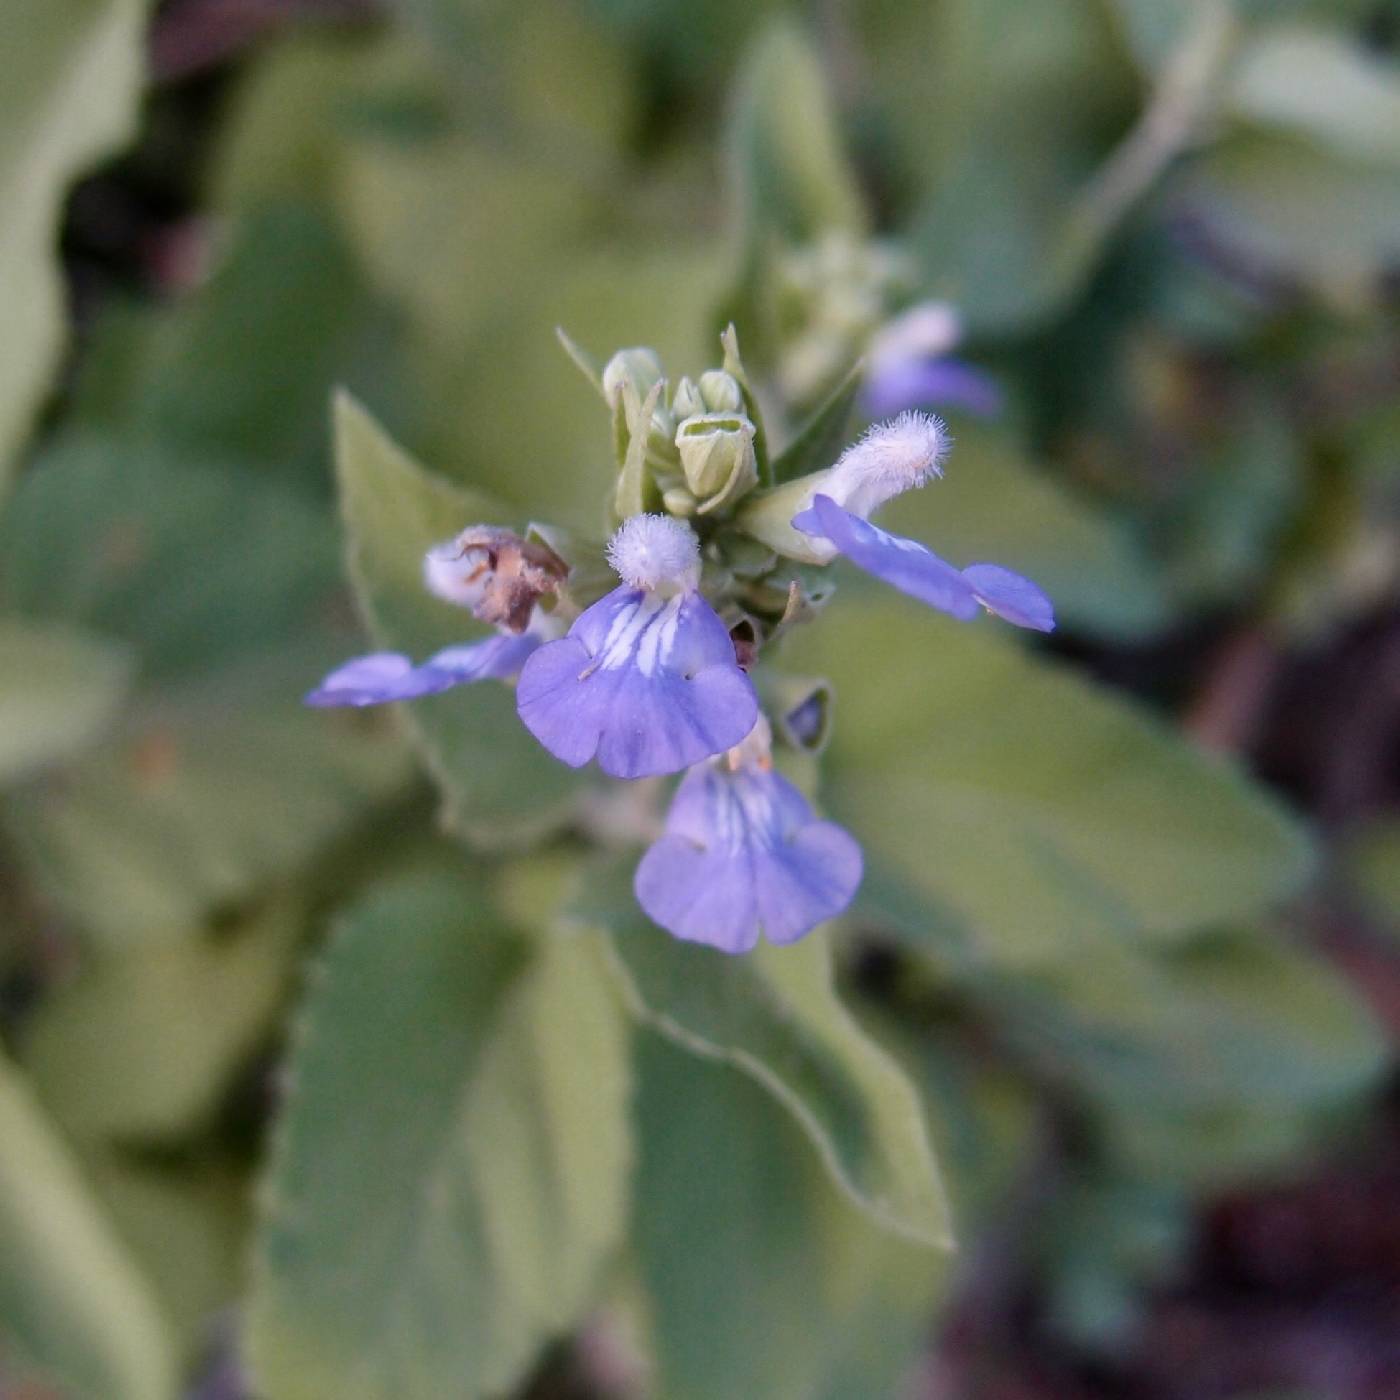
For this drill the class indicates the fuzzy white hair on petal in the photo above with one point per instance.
(888, 459)
(656, 552)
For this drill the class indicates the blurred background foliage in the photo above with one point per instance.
(1131, 1004)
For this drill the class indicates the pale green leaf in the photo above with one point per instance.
(1313, 82)
(191, 562)
(58, 689)
(70, 76)
(1009, 810)
(500, 784)
(775, 1015)
(791, 177)
(426, 1243)
(758, 1279)
(142, 1044)
(73, 1308)
(197, 802)
(1300, 208)
(185, 1223)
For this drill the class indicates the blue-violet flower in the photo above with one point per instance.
(646, 679)
(743, 853)
(890, 458)
(910, 365)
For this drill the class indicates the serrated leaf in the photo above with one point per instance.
(758, 1279)
(70, 77)
(819, 441)
(58, 688)
(775, 1015)
(141, 1045)
(1010, 810)
(993, 504)
(501, 786)
(426, 1244)
(73, 1308)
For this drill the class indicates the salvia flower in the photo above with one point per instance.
(893, 457)
(646, 679)
(743, 854)
(910, 364)
(500, 578)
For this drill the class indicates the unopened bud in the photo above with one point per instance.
(717, 457)
(638, 366)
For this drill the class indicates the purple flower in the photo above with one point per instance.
(647, 678)
(743, 853)
(389, 675)
(910, 366)
(913, 569)
(499, 577)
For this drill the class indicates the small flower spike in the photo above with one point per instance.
(646, 680)
(743, 854)
(911, 365)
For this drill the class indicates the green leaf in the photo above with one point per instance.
(1010, 811)
(204, 795)
(215, 778)
(501, 786)
(1251, 1020)
(426, 1243)
(143, 1043)
(758, 1279)
(73, 1308)
(820, 439)
(70, 76)
(1300, 209)
(1005, 109)
(191, 562)
(242, 368)
(60, 687)
(1313, 82)
(775, 1015)
(1371, 860)
(789, 172)
(994, 504)
(186, 1224)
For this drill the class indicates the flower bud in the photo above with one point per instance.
(717, 457)
(638, 366)
(767, 516)
(720, 392)
(686, 401)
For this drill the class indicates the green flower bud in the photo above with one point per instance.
(678, 501)
(720, 392)
(686, 401)
(640, 367)
(717, 457)
(767, 516)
